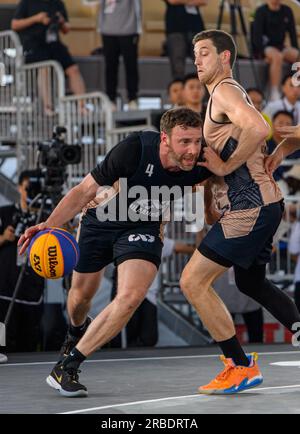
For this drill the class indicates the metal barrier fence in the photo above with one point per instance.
(87, 119)
(43, 87)
(11, 60)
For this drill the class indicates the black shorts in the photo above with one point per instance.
(103, 243)
(54, 51)
(244, 250)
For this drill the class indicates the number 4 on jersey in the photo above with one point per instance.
(149, 170)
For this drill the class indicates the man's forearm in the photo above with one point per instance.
(287, 147)
(248, 143)
(68, 207)
(2, 240)
(22, 24)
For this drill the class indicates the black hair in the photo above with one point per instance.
(188, 77)
(23, 175)
(176, 80)
(282, 112)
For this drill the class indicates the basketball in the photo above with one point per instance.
(53, 253)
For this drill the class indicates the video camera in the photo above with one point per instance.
(53, 158)
(21, 221)
(53, 28)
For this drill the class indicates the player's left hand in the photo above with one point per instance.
(273, 161)
(292, 132)
(213, 162)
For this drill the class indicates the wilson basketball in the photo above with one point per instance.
(53, 253)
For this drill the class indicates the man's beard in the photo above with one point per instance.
(180, 160)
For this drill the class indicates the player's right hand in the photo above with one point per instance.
(25, 239)
(42, 18)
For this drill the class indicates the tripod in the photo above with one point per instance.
(25, 264)
(236, 12)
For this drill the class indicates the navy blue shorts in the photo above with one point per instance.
(243, 238)
(55, 51)
(103, 243)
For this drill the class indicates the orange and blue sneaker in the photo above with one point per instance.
(234, 379)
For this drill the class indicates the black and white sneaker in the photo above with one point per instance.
(66, 381)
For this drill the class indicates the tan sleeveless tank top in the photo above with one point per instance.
(248, 187)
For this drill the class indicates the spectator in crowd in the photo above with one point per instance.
(289, 102)
(39, 24)
(193, 93)
(142, 329)
(257, 98)
(23, 329)
(280, 119)
(120, 27)
(182, 21)
(272, 22)
(175, 89)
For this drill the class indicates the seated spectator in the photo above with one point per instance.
(281, 119)
(289, 102)
(39, 23)
(175, 88)
(272, 22)
(183, 21)
(120, 27)
(257, 98)
(193, 93)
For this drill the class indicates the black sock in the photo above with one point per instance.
(73, 360)
(232, 350)
(78, 331)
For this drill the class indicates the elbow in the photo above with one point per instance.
(14, 26)
(263, 131)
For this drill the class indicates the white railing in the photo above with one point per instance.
(40, 106)
(11, 61)
(87, 119)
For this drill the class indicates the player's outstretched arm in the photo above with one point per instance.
(76, 199)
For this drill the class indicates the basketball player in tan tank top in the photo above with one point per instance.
(245, 205)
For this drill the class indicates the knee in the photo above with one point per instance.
(79, 296)
(72, 70)
(277, 56)
(130, 299)
(192, 288)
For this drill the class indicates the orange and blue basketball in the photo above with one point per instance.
(53, 253)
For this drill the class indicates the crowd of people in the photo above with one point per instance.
(39, 24)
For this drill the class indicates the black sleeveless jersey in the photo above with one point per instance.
(145, 196)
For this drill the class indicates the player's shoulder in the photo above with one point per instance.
(227, 90)
(129, 143)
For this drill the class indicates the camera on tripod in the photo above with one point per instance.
(53, 158)
(52, 33)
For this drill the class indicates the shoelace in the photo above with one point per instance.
(225, 373)
(73, 374)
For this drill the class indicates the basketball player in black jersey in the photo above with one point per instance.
(145, 159)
